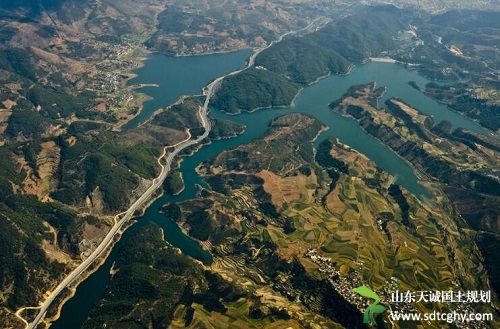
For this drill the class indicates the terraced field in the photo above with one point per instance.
(264, 221)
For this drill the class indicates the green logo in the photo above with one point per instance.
(374, 308)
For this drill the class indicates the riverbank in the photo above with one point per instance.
(143, 202)
(116, 231)
(313, 100)
(220, 52)
(208, 92)
(383, 60)
(317, 106)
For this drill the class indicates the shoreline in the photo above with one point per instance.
(138, 63)
(423, 179)
(292, 102)
(102, 259)
(383, 60)
(103, 251)
(218, 52)
(209, 91)
(105, 246)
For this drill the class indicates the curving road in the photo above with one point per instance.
(124, 217)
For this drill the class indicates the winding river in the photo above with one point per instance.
(177, 76)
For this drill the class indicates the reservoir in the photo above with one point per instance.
(176, 77)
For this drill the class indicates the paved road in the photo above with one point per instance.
(127, 215)
(124, 217)
(313, 26)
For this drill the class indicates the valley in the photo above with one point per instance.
(279, 187)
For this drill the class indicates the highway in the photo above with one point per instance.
(313, 26)
(124, 217)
